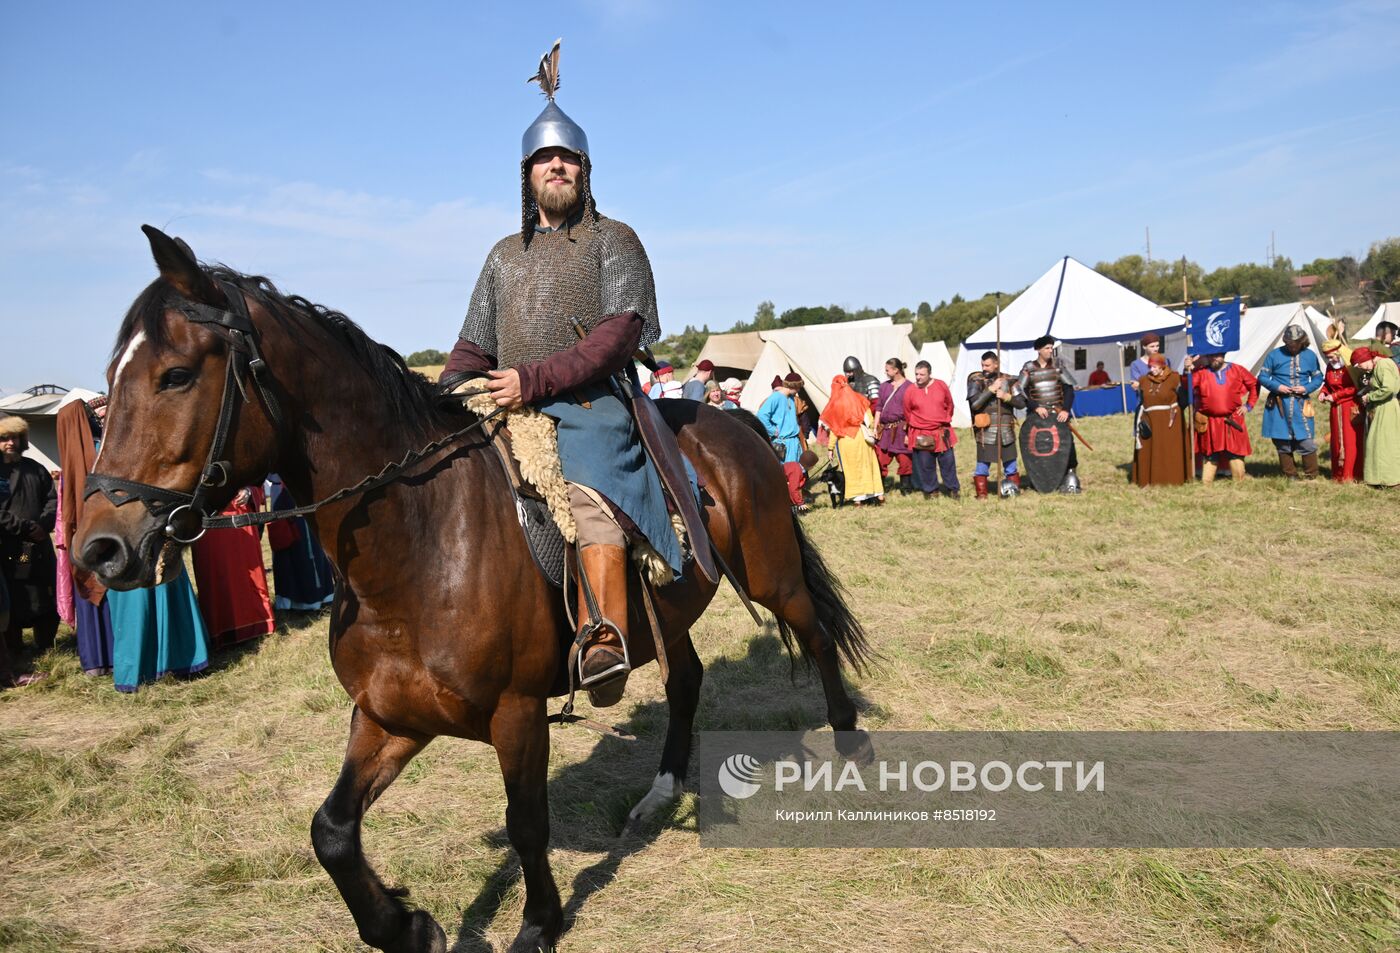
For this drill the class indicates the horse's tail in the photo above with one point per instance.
(833, 614)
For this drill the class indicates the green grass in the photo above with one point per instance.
(177, 819)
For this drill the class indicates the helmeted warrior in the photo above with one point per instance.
(1048, 388)
(863, 383)
(568, 264)
(994, 398)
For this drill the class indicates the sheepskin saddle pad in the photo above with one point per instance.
(528, 441)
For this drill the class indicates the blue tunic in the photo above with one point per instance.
(1277, 371)
(779, 416)
(599, 448)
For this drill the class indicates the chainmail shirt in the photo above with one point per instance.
(527, 291)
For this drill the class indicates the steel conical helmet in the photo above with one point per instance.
(552, 127)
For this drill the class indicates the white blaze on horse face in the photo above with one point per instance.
(134, 345)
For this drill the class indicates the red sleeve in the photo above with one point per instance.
(606, 350)
(282, 534)
(466, 356)
(1251, 384)
(945, 402)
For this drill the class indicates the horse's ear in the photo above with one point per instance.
(177, 265)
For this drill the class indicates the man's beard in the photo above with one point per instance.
(11, 457)
(558, 199)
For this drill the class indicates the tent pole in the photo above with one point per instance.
(1122, 377)
(1001, 467)
(1189, 424)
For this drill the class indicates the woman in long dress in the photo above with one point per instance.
(1348, 432)
(231, 579)
(1159, 457)
(1382, 466)
(851, 429)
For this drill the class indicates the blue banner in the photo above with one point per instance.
(1215, 327)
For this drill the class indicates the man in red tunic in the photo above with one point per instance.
(1348, 418)
(1224, 393)
(928, 408)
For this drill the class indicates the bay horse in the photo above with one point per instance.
(441, 624)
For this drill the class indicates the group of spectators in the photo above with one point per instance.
(869, 424)
(701, 386)
(140, 635)
(1360, 386)
(866, 426)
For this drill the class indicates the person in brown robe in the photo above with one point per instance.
(1160, 455)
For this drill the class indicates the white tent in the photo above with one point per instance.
(1390, 311)
(1261, 330)
(40, 406)
(1092, 316)
(815, 351)
(936, 353)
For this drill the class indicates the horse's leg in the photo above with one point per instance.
(373, 760)
(682, 697)
(520, 735)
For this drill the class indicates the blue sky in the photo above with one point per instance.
(365, 155)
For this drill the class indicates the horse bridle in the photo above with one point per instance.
(245, 362)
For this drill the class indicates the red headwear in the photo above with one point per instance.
(1361, 355)
(1157, 360)
(845, 410)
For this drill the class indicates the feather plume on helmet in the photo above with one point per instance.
(553, 128)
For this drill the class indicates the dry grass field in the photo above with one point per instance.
(177, 819)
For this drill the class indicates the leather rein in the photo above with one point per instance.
(245, 363)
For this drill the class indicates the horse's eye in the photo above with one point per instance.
(176, 377)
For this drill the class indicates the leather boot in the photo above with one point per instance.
(980, 482)
(1286, 461)
(906, 485)
(1208, 472)
(603, 660)
(1015, 479)
(1237, 470)
(1310, 466)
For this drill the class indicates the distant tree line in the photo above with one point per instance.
(1356, 286)
(429, 358)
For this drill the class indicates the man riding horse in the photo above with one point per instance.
(217, 378)
(568, 263)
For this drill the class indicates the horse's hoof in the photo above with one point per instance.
(665, 789)
(855, 746)
(424, 934)
(531, 940)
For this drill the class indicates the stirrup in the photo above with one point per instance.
(604, 687)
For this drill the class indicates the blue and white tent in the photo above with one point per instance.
(1085, 311)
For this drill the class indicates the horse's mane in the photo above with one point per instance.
(411, 396)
